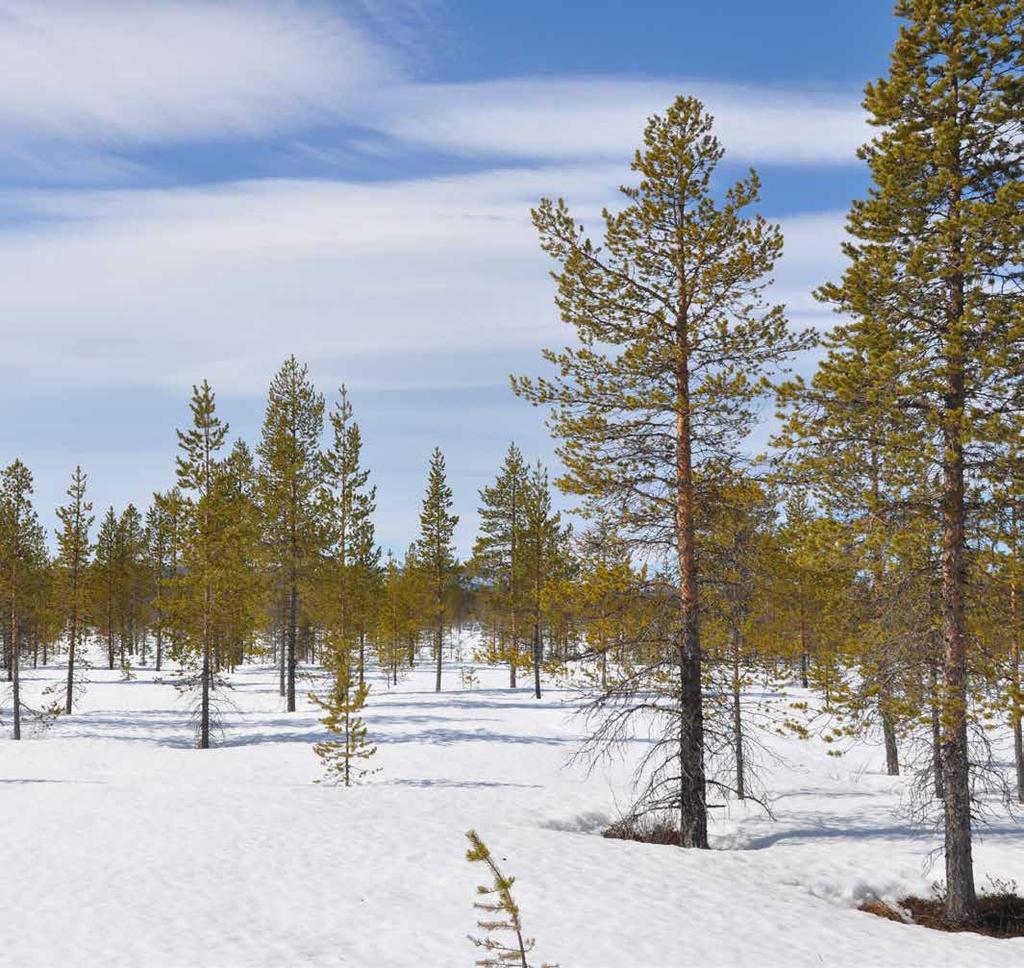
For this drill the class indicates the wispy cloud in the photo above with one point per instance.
(600, 117)
(118, 75)
(143, 72)
(164, 287)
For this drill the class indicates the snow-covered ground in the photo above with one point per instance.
(122, 845)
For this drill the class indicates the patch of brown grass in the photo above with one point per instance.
(644, 830)
(1000, 915)
(882, 910)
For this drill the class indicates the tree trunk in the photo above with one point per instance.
(513, 657)
(961, 900)
(438, 643)
(737, 719)
(15, 677)
(537, 658)
(72, 637)
(892, 758)
(204, 711)
(293, 610)
(362, 655)
(693, 817)
(282, 652)
(1015, 691)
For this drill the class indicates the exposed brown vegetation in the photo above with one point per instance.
(645, 830)
(1000, 915)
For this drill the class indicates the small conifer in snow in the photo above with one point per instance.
(502, 912)
(345, 753)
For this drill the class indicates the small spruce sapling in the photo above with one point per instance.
(505, 911)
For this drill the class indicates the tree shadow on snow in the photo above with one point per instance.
(462, 784)
(438, 736)
(842, 830)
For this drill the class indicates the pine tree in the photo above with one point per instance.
(502, 913)
(349, 502)
(22, 556)
(244, 597)
(675, 339)
(106, 581)
(134, 582)
(1004, 604)
(395, 621)
(933, 289)
(343, 756)
(290, 478)
(205, 540)
(436, 551)
(861, 464)
(497, 554)
(366, 555)
(163, 531)
(603, 599)
(73, 560)
(736, 531)
(542, 539)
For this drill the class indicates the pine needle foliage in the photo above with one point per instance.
(437, 550)
(291, 471)
(73, 561)
(676, 342)
(932, 295)
(502, 916)
(345, 753)
(22, 559)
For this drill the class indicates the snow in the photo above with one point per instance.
(123, 846)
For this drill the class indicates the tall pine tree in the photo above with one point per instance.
(349, 502)
(498, 554)
(22, 556)
(290, 475)
(73, 549)
(935, 273)
(436, 550)
(675, 341)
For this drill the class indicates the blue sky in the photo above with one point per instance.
(193, 189)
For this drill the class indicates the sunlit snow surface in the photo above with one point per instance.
(123, 846)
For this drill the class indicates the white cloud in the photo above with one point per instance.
(164, 287)
(129, 72)
(562, 118)
(813, 256)
(124, 74)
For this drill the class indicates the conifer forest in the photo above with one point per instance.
(718, 664)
